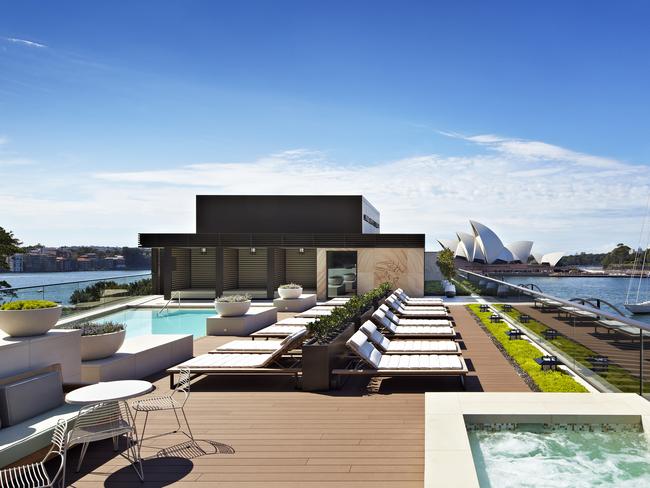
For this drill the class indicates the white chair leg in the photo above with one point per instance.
(84, 448)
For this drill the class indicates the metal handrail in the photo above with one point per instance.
(598, 301)
(72, 282)
(597, 311)
(168, 302)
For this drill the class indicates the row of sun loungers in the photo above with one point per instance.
(386, 348)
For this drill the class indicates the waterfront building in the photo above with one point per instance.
(331, 245)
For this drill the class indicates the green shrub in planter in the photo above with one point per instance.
(97, 328)
(290, 286)
(28, 305)
(233, 298)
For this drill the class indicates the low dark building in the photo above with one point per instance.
(330, 245)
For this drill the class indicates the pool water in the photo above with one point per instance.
(533, 456)
(147, 321)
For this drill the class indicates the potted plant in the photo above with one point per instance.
(290, 290)
(29, 317)
(232, 305)
(100, 340)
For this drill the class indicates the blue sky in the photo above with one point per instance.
(530, 117)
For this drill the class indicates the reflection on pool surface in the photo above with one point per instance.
(530, 455)
(148, 321)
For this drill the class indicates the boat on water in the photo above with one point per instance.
(638, 305)
(639, 308)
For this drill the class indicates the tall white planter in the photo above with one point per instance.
(232, 309)
(102, 345)
(289, 293)
(24, 323)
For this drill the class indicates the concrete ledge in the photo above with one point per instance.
(300, 304)
(140, 357)
(255, 319)
(58, 346)
(448, 458)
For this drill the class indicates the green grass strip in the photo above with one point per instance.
(524, 354)
(615, 375)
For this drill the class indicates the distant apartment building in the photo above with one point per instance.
(15, 263)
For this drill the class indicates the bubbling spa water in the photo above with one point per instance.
(531, 455)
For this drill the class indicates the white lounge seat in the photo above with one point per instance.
(316, 312)
(252, 347)
(379, 364)
(414, 346)
(406, 321)
(421, 312)
(404, 298)
(438, 331)
(277, 330)
(394, 300)
(244, 363)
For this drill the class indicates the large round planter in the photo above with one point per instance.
(289, 293)
(232, 309)
(23, 323)
(335, 280)
(101, 346)
(349, 277)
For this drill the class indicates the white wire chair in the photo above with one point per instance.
(35, 475)
(174, 401)
(106, 420)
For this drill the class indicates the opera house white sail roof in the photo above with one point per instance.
(483, 245)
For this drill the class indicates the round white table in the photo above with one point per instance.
(109, 391)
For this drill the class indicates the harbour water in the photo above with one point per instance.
(612, 290)
(59, 286)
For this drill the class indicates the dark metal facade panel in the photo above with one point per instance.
(273, 213)
(282, 240)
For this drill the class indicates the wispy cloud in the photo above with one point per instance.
(25, 42)
(3, 140)
(558, 204)
(537, 151)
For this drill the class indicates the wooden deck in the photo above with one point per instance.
(263, 432)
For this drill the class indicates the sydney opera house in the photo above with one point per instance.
(484, 246)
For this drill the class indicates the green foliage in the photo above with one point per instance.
(97, 328)
(466, 287)
(94, 292)
(323, 328)
(28, 305)
(233, 298)
(614, 375)
(524, 354)
(446, 264)
(434, 287)
(290, 286)
(9, 245)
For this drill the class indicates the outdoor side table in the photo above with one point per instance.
(550, 334)
(495, 319)
(524, 319)
(507, 307)
(483, 308)
(109, 391)
(514, 334)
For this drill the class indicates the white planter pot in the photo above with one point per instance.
(23, 323)
(232, 309)
(335, 280)
(349, 277)
(101, 346)
(290, 292)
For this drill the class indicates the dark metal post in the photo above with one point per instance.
(270, 273)
(167, 266)
(219, 272)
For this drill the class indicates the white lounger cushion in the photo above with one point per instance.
(426, 330)
(278, 329)
(404, 321)
(316, 313)
(433, 346)
(386, 345)
(253, 346)
(395, 303)
(228, 360)
(420, 361)
(360, 344)
(405, 298)
(295, 321)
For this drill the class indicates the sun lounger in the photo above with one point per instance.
(393, 300)
(244, 346)
(416, 312)
(407, 300)
(418, 331)
(413, 346)
(576, 313)
(630, 332)
(373, 363)
(383, 309)
(245, 363)
(316, 312)
(335, 302)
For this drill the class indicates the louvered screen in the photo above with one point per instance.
(279, 275)
(301, 268)
(204, 268)
(182, 270)
(252, 269)
(230, 269)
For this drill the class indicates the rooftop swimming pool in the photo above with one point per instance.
(140, 321)
(578, 455)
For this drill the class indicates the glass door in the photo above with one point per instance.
(341, 273)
